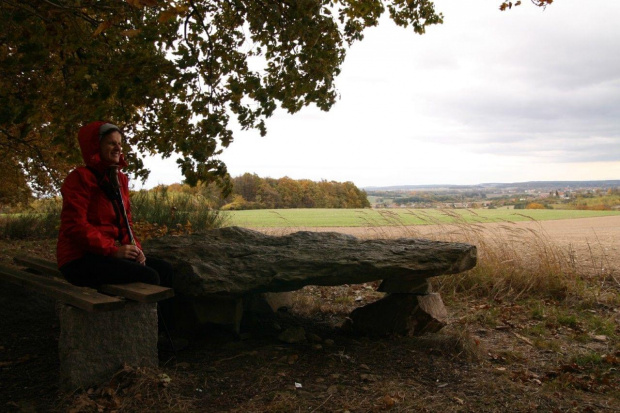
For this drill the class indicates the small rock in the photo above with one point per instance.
(317, 346)
(314, 338)
(292, 359)
(364, 367)
(600, 338)
(293, 335)
(368, 377)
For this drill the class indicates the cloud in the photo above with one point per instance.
(524, 84)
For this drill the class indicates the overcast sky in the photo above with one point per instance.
(488, 96)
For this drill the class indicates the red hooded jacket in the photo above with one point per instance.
(88, 221)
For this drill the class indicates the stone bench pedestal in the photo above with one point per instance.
(94, 345)
(401, 314)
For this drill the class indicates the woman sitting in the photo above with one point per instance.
(96, 244)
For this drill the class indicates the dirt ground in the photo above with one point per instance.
(494, 356)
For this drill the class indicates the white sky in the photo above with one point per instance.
(488, 96)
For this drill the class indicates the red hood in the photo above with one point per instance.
(88, 136)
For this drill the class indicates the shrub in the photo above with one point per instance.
(157, 212)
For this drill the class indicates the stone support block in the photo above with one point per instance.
(402, 314)
(218, 309)
(93, 346)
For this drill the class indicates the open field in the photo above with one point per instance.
(387, 217)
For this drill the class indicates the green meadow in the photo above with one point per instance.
(380, 217)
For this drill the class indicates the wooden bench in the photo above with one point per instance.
(99, 329)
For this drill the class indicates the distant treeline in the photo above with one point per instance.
(413, 197)
(253, 192)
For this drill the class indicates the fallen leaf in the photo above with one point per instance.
(388, 401)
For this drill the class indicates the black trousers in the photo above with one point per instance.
(93, 270)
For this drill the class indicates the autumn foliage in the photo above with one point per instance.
(535, 205)
(252, 192)
(171, 74)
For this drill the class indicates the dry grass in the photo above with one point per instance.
(514, 262)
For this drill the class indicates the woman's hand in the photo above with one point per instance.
(130, 252)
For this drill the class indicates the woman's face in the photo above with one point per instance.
(110, 148)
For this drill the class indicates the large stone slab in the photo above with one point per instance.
(237, 261)
(93, 346)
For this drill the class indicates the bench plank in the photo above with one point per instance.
(140, 292)
(41, 265)
(85, 298)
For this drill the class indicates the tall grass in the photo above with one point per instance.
(513, 262)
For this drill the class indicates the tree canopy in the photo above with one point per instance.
(175, 75)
